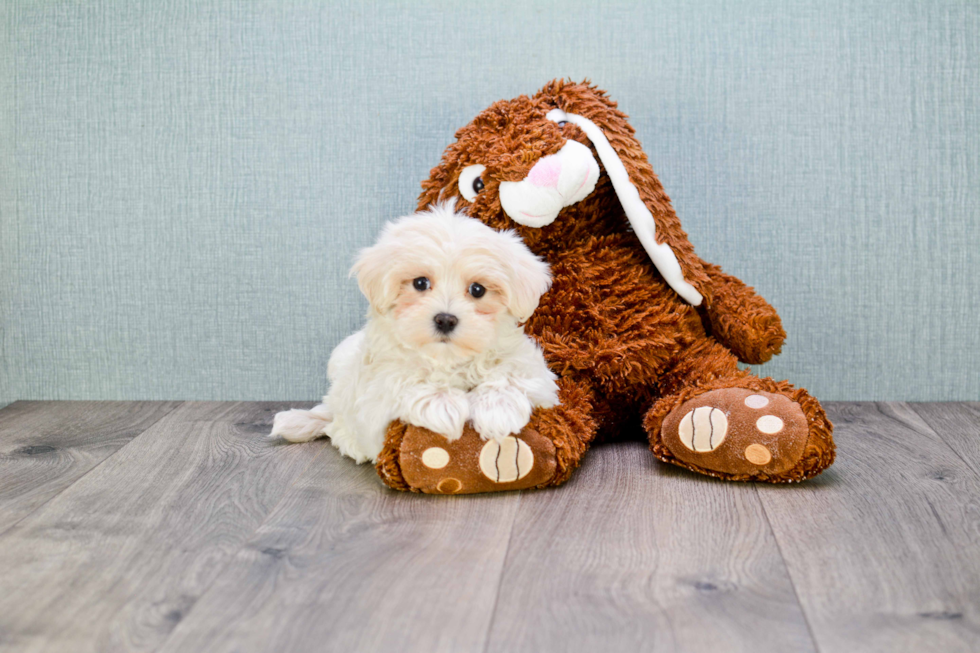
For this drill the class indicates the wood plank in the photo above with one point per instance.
(958, 424)
(347, 564)
(884, 548)
(634, 555)
(114, 562)
(45, 446)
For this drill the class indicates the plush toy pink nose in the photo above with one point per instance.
(545, 172)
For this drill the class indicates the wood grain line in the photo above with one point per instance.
(344, 563)
(118, 559)
(958, 425)
(634, 555)
(46, 446)
(884, 547)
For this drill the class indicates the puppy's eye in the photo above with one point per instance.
(421, 284)
(477, 291)
(471, 181)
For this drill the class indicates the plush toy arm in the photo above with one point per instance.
(742, 320)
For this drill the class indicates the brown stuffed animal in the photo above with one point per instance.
(644, 336)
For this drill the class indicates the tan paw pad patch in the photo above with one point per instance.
(756, 401)
(769, 424)
(757, 454)
(449, 486)
(435, 457)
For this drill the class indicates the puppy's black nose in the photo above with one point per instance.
(445, 322)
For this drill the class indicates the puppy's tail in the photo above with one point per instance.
(302, 425)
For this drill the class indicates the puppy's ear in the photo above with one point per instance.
(374, 274)
(642, 196)
(529, 277)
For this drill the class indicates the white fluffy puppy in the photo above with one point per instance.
(444, 342)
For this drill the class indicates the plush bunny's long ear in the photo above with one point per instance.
(643, 199)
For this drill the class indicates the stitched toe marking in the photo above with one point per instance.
(703, 429)
(505, 461)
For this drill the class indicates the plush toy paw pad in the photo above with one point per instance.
(432, 464)
(735, 431)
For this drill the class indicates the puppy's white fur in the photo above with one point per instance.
(399, 366)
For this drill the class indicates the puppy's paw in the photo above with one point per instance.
(498, 411)
(300, 425)
(541, 391)
(444, 412)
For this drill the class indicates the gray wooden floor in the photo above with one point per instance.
(175, 526)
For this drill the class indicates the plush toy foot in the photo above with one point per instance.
(544, 453)
(419, 460)
(745, 434)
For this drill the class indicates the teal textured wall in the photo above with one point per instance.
(183, 182)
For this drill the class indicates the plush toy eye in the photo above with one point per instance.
(421, 284)
(477, 291)
(562, 123)
(470, 181)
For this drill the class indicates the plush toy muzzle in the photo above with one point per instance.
(555, 181)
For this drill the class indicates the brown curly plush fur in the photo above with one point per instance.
(626, 347)
(387, 464)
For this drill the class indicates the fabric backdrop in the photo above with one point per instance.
(183, 183)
